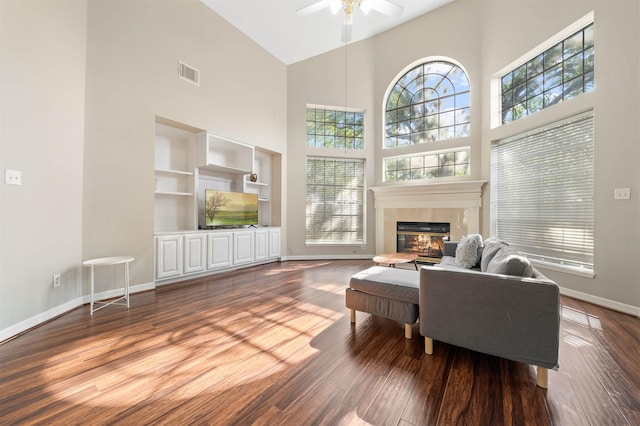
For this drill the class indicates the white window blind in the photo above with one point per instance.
(335, 201)
(542, 192)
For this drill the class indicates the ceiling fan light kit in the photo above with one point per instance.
(383, 6)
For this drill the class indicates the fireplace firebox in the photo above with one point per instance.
(426, 239)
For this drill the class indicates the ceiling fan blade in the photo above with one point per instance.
(313, 7)
(386, 7)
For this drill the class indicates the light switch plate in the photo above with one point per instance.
(622, 194)
(12, 177)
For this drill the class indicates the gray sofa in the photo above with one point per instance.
(485, 308)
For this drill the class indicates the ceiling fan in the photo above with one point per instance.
(383, 6)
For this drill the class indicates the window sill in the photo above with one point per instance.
(573, 270)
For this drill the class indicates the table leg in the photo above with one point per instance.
(126, 282)
(92, 289)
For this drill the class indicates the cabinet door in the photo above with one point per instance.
(195, 254)
(243, 247)
(219, 250)
(274, 243)
(168, 256)
(262, 244)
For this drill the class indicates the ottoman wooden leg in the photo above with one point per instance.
(407, 331)
(352, 315)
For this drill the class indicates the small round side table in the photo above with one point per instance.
(109, 261)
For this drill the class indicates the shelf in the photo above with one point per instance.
(225, 169)
(186, 194)
(263, 200)
(248, 182)
(174, 172)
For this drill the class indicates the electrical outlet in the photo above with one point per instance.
(622, 194)
(56, 280)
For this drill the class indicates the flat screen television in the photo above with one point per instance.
(230, 209)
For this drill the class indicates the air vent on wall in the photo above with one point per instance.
(188, 73)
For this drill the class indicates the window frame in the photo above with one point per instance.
(397, 82)
(414, 158)
(362, 206)
(496, 79)
(568, 185)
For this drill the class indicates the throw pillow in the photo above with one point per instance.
(469, 250)
(509, 262)
(491, 247)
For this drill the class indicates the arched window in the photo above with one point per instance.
(428, 103)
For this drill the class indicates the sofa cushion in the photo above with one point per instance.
(469, 251)
(491, 247)
(509, 262)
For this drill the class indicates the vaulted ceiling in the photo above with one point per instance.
(291, 37)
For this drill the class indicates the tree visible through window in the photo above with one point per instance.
(427, 165)
(430, 102)
(562, 72)
(331, 128)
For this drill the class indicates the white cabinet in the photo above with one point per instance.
(243, 246)
(219, 246)
(180, 255)
(262, 244)
(195, 253)
(168, 256)
(274, 243)
(224, 155)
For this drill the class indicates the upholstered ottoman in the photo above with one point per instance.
(387, 292)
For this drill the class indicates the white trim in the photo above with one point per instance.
(600, 301)
(573, 270)
(45, 316)
(36, 320)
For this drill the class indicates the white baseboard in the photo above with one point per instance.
(601, 301)
(120, 292)
(25, 325)
(36, 320)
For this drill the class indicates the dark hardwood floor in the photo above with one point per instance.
(273, 345)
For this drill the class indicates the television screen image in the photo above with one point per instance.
(230, 208)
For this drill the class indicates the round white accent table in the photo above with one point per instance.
(109, 261)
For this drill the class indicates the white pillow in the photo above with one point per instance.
(469, 251)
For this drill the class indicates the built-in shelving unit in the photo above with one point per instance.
(189, 161)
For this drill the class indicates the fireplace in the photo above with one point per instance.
(426, 239)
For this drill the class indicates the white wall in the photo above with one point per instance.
(133, 54)
(484, 37)
(42, 91)
(82, 83)
(321, 80)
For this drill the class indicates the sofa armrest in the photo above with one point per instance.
(510, 317)
(450, 248)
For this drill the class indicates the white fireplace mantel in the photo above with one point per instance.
(450, 195)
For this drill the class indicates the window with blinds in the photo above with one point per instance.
(542, 192)
(335, 201)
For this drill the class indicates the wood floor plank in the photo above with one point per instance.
(273, 344)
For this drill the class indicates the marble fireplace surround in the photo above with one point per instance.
(458, 203)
